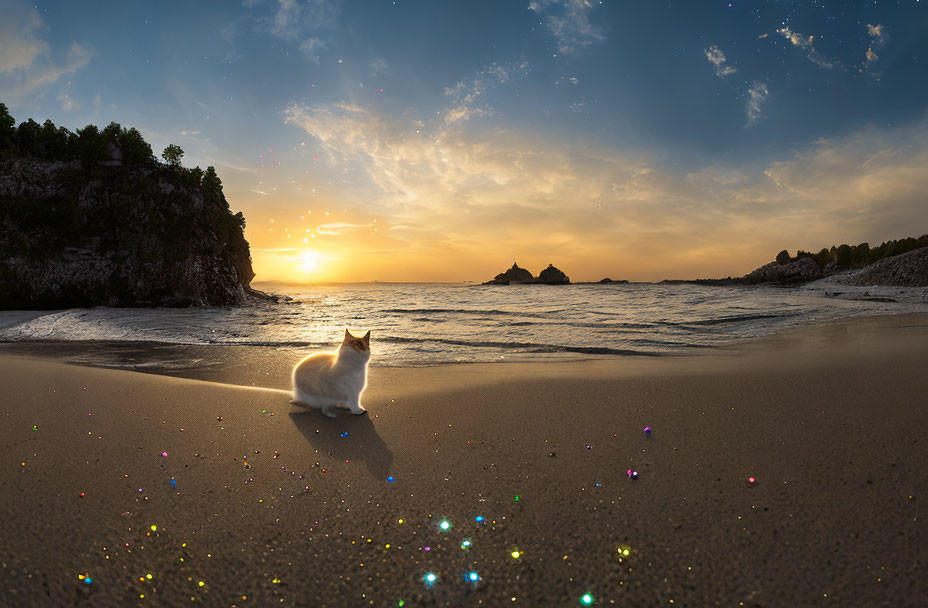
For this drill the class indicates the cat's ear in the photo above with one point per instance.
(367, 336)
(348, 335)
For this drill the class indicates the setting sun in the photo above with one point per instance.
(309, 262)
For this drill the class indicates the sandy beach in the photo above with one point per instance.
(122, 488)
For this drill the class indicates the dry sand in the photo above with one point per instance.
(274, 507)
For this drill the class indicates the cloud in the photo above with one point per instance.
(757, 95)
(602, 209)
(878, 38)
(309, 46)
(20, 32)
(877, 34)
(717, 58)
(68, 104)
(569, 22)
(27, 61)
(806, 43)
(870, 183)
(293, 19)
(468, 98)
(23, 81)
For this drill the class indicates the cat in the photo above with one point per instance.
(324, 381)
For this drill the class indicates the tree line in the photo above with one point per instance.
(857, 256)
(92, 146)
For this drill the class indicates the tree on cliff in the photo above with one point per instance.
(172, 154)
(7, 128)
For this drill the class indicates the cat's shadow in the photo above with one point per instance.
(360, 442)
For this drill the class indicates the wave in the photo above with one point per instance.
(723, 320)
(470, 311)
(535, 347)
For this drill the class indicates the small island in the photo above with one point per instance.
(520, 276)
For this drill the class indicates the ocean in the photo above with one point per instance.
(435, 324)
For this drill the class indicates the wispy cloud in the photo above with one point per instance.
(454, 189)
(757, 95)
(24, 81)
(717, 58)
(20, 31)
(806, 43)
(311, 47)
(878, 37)
(469, 97)
(877, 33)
(27, 61)
(569, 23)
(68, 104)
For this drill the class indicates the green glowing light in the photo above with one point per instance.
(587, 599)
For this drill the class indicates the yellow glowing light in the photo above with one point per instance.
(309, 262)
(516, 554)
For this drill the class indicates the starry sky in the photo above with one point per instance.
(440, 141)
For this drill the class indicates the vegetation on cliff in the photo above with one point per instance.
(856, 256)
(92, 218)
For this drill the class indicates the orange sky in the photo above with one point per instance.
(383, 202)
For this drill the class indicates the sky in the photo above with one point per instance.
(441, 141)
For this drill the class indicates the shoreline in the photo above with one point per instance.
(251, 365)
(121, 475)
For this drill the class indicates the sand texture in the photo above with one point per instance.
(270, 506)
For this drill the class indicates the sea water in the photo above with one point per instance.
(431, 324)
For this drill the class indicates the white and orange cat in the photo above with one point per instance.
(325, 381)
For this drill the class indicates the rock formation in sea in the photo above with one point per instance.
(91, 219)
(513, 275)
(553, 276)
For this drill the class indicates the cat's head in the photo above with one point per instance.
(362, 345)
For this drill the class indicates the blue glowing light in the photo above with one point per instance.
(444, 525)
(587, 599)
(473, 577)
(466, 543)
(479, 519)
(390, 479)
(343, 435)
(430, 578)
(173, 482)
(88, 580)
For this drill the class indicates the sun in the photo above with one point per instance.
(309, 262)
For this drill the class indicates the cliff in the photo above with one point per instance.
(114, 227)
(905, 270)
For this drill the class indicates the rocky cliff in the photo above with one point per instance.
(906, 270)
(109, 232)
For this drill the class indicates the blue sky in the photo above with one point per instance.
(632, 139)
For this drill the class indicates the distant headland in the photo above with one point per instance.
(93, 219)
(902, 262)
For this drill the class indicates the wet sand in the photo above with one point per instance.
(266, 505)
